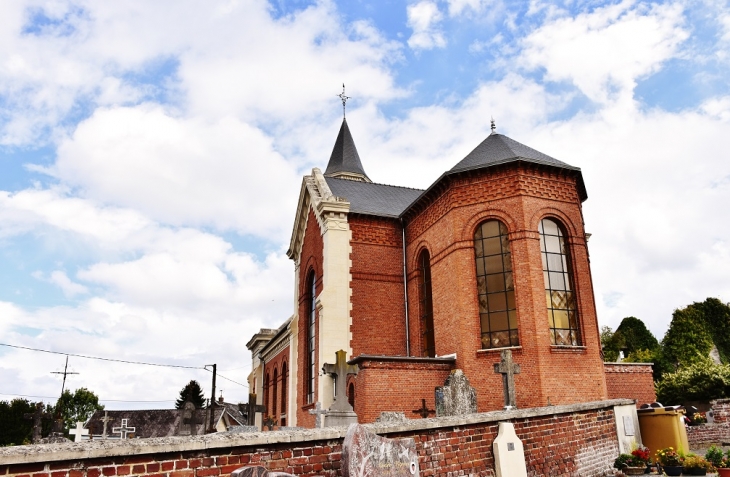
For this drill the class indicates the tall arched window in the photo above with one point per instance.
(559, 291)
(428, 344)
(311, 332)
(495, 286)
(266, 390)
(351, 395)
(283, 389)
(274, 394)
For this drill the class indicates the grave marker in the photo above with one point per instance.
(105, 420)
(340, 412)
(79, 432)
(456, 397)
(37, 418)
(508, 368)
(365, 454)
(320, 415)
(252, 409)
(189, 420)
(124, 429)
(424, 411)
(509, 453)
(257, 471)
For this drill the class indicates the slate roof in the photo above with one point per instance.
(373, 199)
(344, 157)
(499, 149)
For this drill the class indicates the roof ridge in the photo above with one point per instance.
(377, 183)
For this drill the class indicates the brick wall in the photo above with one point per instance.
(276, 394)
(558, 441)
(719, 431)
(630, 381)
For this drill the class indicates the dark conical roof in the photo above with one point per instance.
(345, 159)
(499, 149)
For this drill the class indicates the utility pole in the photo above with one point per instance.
(212, 400)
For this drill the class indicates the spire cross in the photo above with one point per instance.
(493, 125)
(343, 98)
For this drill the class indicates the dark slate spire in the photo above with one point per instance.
(345, 161)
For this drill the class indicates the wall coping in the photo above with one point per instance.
(401, 359)
(160, 445)
(609, 363)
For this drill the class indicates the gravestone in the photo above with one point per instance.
(106, 419)
(37, 418)
(508, 368)
(124, 430)
(509, 454)
(340, 412)
(242, 429)
(365, 454)
(252, 409)
(456, 397)
(79, 432)
(257, 471)
(320, 415)
(391, 416)
(190, 420)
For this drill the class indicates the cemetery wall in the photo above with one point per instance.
(377, 298)
(444, 223)
(558, 441)
(716, 432)
(630, 381)
(311, 259)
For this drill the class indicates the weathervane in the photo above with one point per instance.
(493, 126)
(343, 98)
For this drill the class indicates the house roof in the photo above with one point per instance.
(373, 199)
(344, 159)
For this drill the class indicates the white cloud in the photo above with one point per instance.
(461, 7)
(424, 18)
(61, 280)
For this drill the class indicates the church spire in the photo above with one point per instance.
(344, 160)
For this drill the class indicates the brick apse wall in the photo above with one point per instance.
(569, 440)
(717, 432)
(631, 381)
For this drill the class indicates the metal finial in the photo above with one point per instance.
(343, 98)
(494, 126)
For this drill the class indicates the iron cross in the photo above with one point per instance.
(424, 411)
(343, 98)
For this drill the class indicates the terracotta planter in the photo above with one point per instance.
(672, 469)
(634, 470)
(721, 472)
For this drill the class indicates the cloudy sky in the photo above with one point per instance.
(151, 155)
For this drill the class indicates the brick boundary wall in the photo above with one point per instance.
(578, 439)
(630, 381)
(717, 432)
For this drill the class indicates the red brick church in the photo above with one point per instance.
(413, 284)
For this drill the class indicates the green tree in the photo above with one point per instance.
(688, 338)
(191, 392)
(702, 380)
(717, 317)
(76, 407)
(635, 336)
(608, 344)
(15, 429)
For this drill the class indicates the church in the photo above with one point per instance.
(415, 284)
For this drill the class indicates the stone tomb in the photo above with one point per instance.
(366, 454)
(509, 454)
(456, 397)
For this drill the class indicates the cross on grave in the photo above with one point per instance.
(79, 431)
(320, 415)
(190, 419)
(340, 369)
(37, 417)
(105, 419)
(124, 430)
(424, 411)
(252, 409)
(508, 368)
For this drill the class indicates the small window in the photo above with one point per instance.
(283, 390)
(559, 290)
(274, 394)
(495, 286)
(428, 344)
(311, 335)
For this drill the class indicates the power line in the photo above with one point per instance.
(100, 400)
(228, 379)
(102, 359)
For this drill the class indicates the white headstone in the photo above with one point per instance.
(509, 454)
(79, 431)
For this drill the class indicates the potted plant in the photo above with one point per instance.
(634, 463)
(698, 418)
(714, 455)
(723, 467)
(670, 461)
(696, 465)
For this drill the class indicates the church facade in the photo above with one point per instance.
(414, 284)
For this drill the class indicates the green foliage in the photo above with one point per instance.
(191, 392)
(609, 346)
(76, 407)
(714, 455)
(717, 317)
(688, 338)
(640, 356)
(700, 381)
(15, 429)
(635, 335)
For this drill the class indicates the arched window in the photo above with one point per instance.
(283, 389)
(311, 332)
(495, 286)
(266, 390)
(351, 395)
(428, 344)
(274, 394)
(561, 309)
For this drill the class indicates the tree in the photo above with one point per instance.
(15, 429)
(608, 345)
(77, 407)
(635, 335)
(688, 338)
(717, 317)
(701, 380)
(191, 392)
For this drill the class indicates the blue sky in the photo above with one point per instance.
(151, 155)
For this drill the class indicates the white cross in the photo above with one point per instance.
(79, 432)
(124, 430)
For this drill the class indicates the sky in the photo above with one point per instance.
(151, 156)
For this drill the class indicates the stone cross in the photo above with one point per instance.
(252, 409)
(424, 411)
(190, 419)
(38, 417)
(508, 368)
(79, 431)
(320, 415)
(124, 430)
(340, 369)
(105, 420)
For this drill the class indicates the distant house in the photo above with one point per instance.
(165, 422)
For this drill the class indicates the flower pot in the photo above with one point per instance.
(634, 470)
(723, 472)
(672, 469)
(694, 472)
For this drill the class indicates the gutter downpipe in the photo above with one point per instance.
(405, 288)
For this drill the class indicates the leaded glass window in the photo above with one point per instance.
(426, 303)
(495, 286)
(311, 333)
(559, 291)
